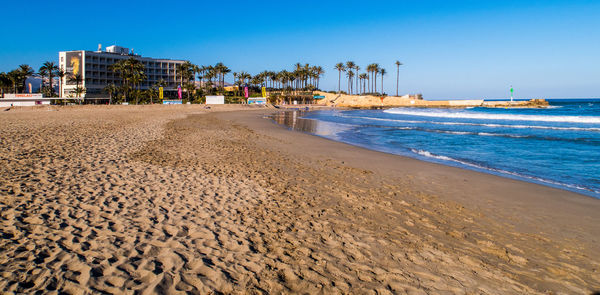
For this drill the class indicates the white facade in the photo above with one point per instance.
(215, 99)
(23, 100)
(94, 70)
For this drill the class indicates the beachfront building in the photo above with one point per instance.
(91, 71)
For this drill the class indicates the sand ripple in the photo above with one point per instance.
(147, 201)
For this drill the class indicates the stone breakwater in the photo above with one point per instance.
(372, 101)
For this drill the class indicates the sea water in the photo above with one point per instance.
(558, 146)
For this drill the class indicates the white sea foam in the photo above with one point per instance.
(505, 117)
(480, 124)
(500, 171)
(499, 134)
(457, 132)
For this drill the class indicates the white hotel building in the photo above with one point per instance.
(94, 68)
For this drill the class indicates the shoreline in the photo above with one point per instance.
(513, 190)
(505, 174)
(167, 199)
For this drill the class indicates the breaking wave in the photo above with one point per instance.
(488, 116)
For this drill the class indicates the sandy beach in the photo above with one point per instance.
(183, 199)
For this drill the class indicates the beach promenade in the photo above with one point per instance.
(183, 199)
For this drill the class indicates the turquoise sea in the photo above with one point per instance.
(557, 146)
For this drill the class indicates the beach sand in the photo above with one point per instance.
(181, 199)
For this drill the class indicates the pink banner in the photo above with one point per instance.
(179, 93)
(246, 91)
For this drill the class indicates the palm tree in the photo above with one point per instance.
(375, 72)
(24, 72)
(209, 74)
(350, 75)
(60, 74)
(42, 72)
(186, 72)
(201, 71)
(4, 83)
(15, 78)
(273, 76)
(340, 67)
(136, 78)
(371, 70)
(50, 69)
(398, 64)
(382, 71)
(221, 70)
(120, 67)
(350, 66)
(77, 80)
(180, 68)
(156, 89)
(319, 72)
(131, 72)
(364, 77)
(110, 89)
(136, 74)
(357, 68)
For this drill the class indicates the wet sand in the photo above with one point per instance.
(180, 199)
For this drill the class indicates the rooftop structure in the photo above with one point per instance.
(93, 68)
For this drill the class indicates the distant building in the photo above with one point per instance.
(94, 68)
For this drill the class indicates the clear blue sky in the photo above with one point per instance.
(451, 49)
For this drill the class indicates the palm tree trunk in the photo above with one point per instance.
(397, 78)
(375, 82)
(357, 82)
(339, 79)
(50, 81)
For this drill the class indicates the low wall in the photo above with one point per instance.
(23, 102)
